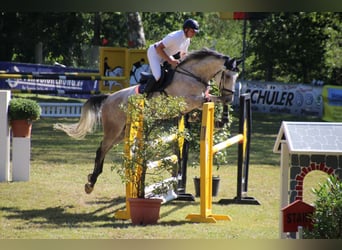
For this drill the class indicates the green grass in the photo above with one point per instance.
(53, 203)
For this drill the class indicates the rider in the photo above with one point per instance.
(173, 43)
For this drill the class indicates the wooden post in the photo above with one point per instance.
(5, 96)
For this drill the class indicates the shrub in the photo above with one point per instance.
(327, 217)
(157, 114)
(23, 109)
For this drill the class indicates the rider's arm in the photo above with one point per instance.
(160, 50)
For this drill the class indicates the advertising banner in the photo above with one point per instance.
(332, 101)
(296, 99)
(46, 84)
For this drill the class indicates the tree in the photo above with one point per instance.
(285, 47)
(289, 47)
(136, 36)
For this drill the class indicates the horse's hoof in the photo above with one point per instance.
(88, 188)
(89, 177)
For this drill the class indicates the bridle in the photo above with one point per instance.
(222, 89)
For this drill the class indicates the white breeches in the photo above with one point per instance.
(154, 61)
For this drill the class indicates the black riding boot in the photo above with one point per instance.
(149, 85)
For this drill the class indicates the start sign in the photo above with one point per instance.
(297, 214)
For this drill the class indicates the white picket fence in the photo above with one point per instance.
(60, 109)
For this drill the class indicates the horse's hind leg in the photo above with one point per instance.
(92, 178)
(101, 152)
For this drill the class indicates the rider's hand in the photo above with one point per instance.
(173, 62)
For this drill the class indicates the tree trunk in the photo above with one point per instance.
(136, 35)
(269, 71)
(97, 29)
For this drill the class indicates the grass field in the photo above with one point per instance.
(53, 204)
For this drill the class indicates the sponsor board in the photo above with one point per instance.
(297, 99)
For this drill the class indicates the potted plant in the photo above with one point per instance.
(147, 147)
(21, 113)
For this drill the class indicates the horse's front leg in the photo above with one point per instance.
(194, 102)
(217, 99)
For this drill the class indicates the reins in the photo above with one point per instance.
(205, 83)
(188, 73)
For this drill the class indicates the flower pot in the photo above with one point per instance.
(215, 185)
(144, 211)
(21, 128)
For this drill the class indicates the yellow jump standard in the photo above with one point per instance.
(206, 162)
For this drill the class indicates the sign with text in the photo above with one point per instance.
(296, 99)
(46, 84)
(297, 214)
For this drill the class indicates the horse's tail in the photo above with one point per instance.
(89, 118)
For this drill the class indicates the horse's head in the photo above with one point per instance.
(227, 79)
(201, 66)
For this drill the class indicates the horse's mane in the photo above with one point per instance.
(200, 54)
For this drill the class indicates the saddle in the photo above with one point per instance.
(166, 77)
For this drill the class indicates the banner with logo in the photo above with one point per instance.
(45, 84)
(296, 99)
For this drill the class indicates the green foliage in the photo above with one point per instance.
(328, 211)
(292, 47)
(221, 35)
(285, 47)
(155, 114)
(23, 109)
(220, 133)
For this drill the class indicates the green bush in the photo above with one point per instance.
(23, 109)
(327, 217)
(220, 134)
(157, 116)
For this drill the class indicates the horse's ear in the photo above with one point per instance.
(235, 63)
(239, 61)
(232, 64)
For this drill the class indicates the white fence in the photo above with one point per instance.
(61, 109)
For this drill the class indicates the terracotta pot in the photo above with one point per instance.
(144, 211)
(21, 128)
(216, 184)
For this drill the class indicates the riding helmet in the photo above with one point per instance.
(192, 24)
